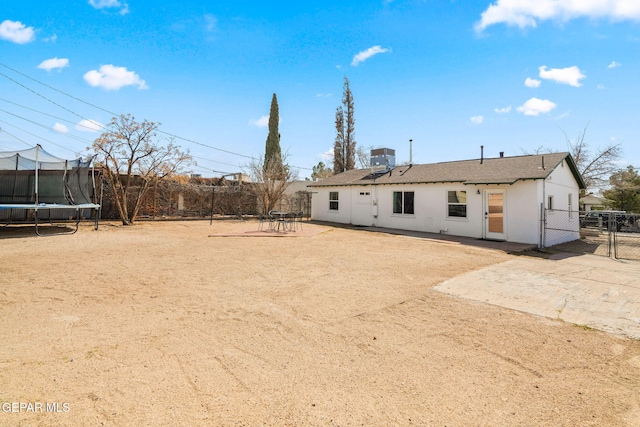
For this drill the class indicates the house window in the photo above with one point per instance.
(457, 204)
(333, 200)
(550, 203)
(403, 202)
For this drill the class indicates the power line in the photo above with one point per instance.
(5, 131)
(112, 113)
(47, 127)
(43, 97)
(71, 122)
(37, 136)
(41, 112)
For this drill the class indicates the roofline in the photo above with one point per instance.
(429, 182)
(574, 169)
(570, 161)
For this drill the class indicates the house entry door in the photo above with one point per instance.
(494, 215)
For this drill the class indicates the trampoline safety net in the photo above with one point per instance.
(35, 178)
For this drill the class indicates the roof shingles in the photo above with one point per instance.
(502, 170)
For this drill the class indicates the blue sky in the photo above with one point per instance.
(451, 75)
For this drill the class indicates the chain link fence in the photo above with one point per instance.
(626, 240)
(608, 233)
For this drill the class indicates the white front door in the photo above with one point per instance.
(495, 215)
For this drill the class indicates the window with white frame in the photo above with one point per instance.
(403, 202)
(457, 204)
(333, 200)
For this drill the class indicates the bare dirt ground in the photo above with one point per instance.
(160, 324)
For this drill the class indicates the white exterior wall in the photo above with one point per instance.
(430, 209)
(522, 211)
(563, 222)
(320, 204)
(522, 202)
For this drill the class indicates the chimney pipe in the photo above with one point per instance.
(411, 151)
(481, 154)
(501, 154)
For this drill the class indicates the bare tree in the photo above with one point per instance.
(363, 156)
(133, 158)
(597, 167)
(271, 181)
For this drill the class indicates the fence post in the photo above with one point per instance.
(542, 225)
(213, 195)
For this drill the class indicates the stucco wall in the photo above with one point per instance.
(563, 221)
(523, 211)
(522, 208)
(430, 209)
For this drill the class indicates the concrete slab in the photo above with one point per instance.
(440, 238)
(588, 290)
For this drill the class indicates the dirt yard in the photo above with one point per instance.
(161, 325)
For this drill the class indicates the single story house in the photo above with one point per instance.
(591, 202)
(505, 198)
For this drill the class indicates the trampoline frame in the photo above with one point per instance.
(49, 207)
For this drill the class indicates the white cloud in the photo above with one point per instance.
(601, 87)
(89, 126)
(535, 106)
(529, 82)
(503, 110)
(614, 64)
(527, 13)
(327, 155)
(476, 120)
(210, 22)
(262, 122)
(52, 39)
(101, 4)
(366, 54)
(110, 77)
(17, 32)
(568, 76)
(323, 95)
(59, 127)
(54, 63)
(106, 4)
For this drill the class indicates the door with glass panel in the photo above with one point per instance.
(495, 215)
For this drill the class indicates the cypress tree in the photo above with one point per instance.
(344, 148)
(273, 154)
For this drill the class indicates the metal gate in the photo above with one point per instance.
(607, 233)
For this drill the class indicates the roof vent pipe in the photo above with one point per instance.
(481, 154)
(543, 168)
(411, 151)
(501, 154)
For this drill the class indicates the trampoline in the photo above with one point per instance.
(37, 186)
